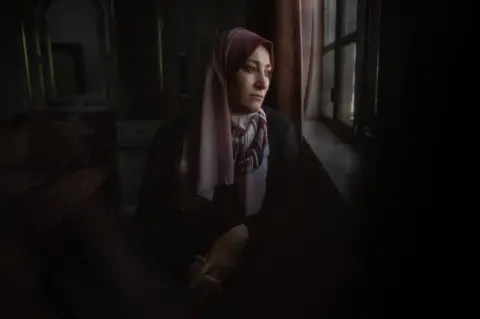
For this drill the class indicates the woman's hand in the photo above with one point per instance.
(226, 250)
(203, 284)
(207, 273)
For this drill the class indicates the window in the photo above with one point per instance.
(350, 63)
(329, 21)
(328, 83)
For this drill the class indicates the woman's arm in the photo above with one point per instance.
(227, 250)
(284, 185)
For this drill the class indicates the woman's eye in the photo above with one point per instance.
(250, 68)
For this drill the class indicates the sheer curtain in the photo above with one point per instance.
(310, 47)
(298, 59)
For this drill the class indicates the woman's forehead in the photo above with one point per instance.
(260, 56)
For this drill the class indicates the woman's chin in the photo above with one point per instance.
(246, 108)
(254, 107)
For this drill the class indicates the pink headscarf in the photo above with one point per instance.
(216, 162)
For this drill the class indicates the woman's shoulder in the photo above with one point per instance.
(277, 121)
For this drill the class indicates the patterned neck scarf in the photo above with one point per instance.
(249, 143)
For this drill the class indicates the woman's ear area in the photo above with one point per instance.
(232, 90)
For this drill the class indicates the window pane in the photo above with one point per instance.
(329, 11)
(347, 85)
(328, 82)
(349, 15)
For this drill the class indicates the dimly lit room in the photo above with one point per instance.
(119, 194)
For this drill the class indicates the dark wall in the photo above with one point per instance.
(261, 19)
(411, 199)
(13, 87)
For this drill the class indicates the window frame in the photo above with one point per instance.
(366, 38)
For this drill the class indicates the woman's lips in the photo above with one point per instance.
(257, 97)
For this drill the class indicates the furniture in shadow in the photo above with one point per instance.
(69, 68)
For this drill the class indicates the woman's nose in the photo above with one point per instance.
(262, 82)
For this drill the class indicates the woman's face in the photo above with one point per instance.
(251, 82)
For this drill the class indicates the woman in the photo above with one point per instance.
(215, 180)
